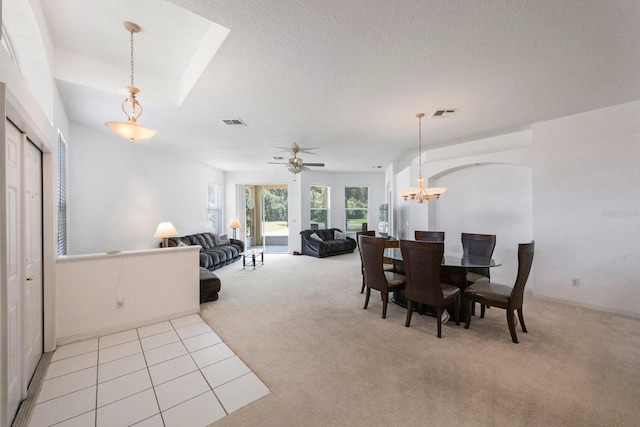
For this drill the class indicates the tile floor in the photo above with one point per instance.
(174, 373)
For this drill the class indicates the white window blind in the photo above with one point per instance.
(214, 208)
(62, 195)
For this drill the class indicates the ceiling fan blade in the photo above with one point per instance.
(314, 164)
(306, 150)
(295, 148)
(282, 148)
(277, 163)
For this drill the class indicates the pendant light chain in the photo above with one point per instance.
(420, 143)
(132, 59)
(420, 116)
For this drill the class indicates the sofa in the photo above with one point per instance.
(327, 243)
(217, 249)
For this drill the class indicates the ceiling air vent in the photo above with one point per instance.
(441, 114)
(234, 122)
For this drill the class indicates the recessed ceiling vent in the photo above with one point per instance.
(234, 122)
(443, 114)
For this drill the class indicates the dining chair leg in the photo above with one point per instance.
(470, 304)
(482, 310)
(511, 320)
(439, 320)
(409, 312)
(385, 297)
(366, 298)
(362, 290)
(456, 309)
(524, 328)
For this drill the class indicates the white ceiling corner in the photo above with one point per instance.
(171, 51)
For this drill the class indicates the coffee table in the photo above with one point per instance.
(253, 254)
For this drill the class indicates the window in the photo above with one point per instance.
(319, 206)
(214, 208)
(356, 200)
(62, 195)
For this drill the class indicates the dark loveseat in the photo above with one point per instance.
(217, 249)
(328, 246)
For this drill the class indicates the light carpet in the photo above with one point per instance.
(298, 323)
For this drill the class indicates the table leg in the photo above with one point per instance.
(456, 276)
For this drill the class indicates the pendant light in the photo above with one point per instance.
(419, 193)
(131, 129)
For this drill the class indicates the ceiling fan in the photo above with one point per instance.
(295, 163)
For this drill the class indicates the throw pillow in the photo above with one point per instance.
(221, 239)
(339, 235)
(316, 237)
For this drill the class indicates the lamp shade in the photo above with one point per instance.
(234, 223)
(131, 130)
(165, 229)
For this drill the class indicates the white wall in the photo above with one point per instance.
(120, 191)
(299, 200)
(585, 203)
(586, 208)
(155, 285)
(337, 183)
(488, 198)
(489, 191)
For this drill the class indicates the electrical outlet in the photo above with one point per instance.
(119, 302)
(575, 283)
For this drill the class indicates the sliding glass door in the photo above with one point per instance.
(267, 213)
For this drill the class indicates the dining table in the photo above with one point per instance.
(453, 271)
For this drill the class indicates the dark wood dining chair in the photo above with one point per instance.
(502, 296)
(375, 277)
(429, 236)
(478, 245)
(358, 234)
(422, 268)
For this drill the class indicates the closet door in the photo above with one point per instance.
(33, 340)
(24, 267)
(13, 273)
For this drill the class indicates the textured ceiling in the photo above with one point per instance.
(349, 76)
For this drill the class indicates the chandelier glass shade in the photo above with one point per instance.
(131, 129)
(419, 193)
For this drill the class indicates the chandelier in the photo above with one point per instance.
(131, 129)
(419, 193)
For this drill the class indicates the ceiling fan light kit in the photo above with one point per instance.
(131, 129)
(419, 193)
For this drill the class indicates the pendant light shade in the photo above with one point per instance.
(131, 129)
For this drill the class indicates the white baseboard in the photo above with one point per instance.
(108, 331)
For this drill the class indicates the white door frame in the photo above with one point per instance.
(45, 140)
(11, 249)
